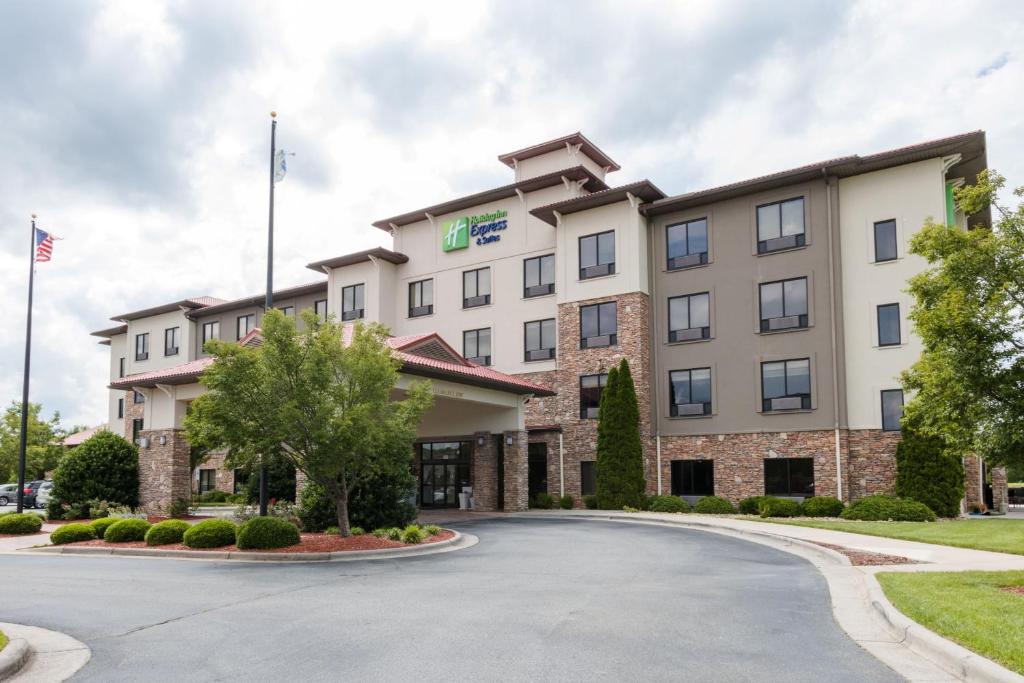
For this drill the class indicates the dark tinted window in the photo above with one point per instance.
(892, 409)
(789, 476)
(597, 255)
(320, 308)
(786, 379)
(353, 302)
(780, 225)
(686, 313)
(476, 345)
(889, 325)
(685, 240)
(588, 478)
(598, 325)
(421, 298)
(693, 477)
(885, 241)
(476, 287)
(539, 337)
(784, 304)
(590, 394)
(690, 392)
(539, 275)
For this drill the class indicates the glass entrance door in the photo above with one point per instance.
(444, 470)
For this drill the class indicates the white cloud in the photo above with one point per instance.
(139, 130)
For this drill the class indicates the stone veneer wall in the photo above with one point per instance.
(1000, 490)
(483, 469)
(580, 436)
(516, 471)
(132, 411)
(872, 462)
(972, 482)
(224, 478)
(549, 437)
(163, 470)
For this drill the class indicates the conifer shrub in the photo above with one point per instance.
(928, 473)
(620, 466)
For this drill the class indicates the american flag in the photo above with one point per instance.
(44, 245)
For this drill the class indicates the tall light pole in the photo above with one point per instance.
(269, 303)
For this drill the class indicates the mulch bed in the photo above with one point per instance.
(863, 558)
(310, 543)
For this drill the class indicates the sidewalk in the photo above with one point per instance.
(18, 542)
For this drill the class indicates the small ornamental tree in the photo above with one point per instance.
(927, 472)
(620, 464)
(43, 451)
(318, 400)
(104, 467)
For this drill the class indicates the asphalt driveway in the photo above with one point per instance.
(534, 600)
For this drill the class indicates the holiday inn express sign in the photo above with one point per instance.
(456, 233)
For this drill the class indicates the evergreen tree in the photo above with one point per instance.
(620, 466)
(927, 472)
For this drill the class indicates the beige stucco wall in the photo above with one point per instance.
(910, 194)
(229, 319)
(118, 350)
(155, 326)
(558, 160)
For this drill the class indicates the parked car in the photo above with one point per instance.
(8, 494)
(43, 494)
(31, 489)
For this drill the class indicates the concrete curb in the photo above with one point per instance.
(48, 655)
(13, 657)
(866, 597)
(458, 542)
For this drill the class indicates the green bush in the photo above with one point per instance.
(393, 534)
(433, 529)
(332, 531)
(214, 496)
(881, 508)
(927, 473)
(105, 467)
(72, 533)
(779, 507)
(236, 498)
(125, 530)
(381, 502)
(356, 530)
(823, 506)
(378, 533)
(210, 533)
(262, 533)
(167, 532)
(100, 524)
(714, 505)
(543, 501)
(413, 534)
(752, 505)
(280, 481)
(178, 508)
(620, 464)
(566, 503)
(668, 504)
(590, 502)
(20, 523)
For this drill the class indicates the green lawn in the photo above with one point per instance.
(966, 607)
(999, 535)
(3, 640)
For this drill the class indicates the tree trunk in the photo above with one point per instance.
(339, 493)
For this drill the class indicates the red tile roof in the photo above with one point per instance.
(77, 438)
(179, 374)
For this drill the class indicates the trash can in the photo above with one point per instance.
(463, 501)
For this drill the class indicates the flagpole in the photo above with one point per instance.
(270, 281)
(28, 359)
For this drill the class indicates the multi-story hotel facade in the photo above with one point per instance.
(765, 323)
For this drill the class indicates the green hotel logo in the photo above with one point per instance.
(455, 234)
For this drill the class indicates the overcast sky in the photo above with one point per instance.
(138, 131)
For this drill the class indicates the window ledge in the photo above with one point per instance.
(786, 331)
(786, 412)
(714, 413)
(540, 296)
(889, 347)
(466, 308)
(696, 266)
(598, 277)
(887, 261)
(781, 251)
(689, 341)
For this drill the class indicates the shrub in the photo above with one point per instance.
(166, 532)
(433, 529)
(23, 523)
(210, 533)
(413, 534)
(823, 506)
(178, 508)
(333, 531)
(105, 467)
(125, 530)
(669, 504)
(214, 497)
(544, 501)
(100, 524)
(380, 502)
(72, 533)
(590, 502)
(779, 507)
(927, 473)
(888, 508)
(393, 534)
(356, 530)
(752, 505)
(378, 533)
(280, 481)
(236, 498)
(620, 465)
(566, 503)
(98, 509)
(261, 533)
(714, 505)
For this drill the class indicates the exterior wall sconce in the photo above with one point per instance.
(508, 440)
(479, 441)
(163, 439)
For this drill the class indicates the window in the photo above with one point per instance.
(211, 330)
(207, 480)
(120, 407)
(444, 470)
(784, 305)
(786, 385)
(320, 308)
(590, 395)
(172, 340)
(885, 241)
(693, 477)
(789, 477)
(121, 367)
(892, 409)
(598, 325)
(138, 397)
(689, 392)
(289, 311)
(246, 324)
(476, 288)
(597, 255)
(539, 275)
(588, 478)
(687, 244)
(780, 225)
(136, 430)
(142, 346)
(889, 325)
(476, 345)
(353, 302)
(241, 480)
(540, 339)
(421, 298)
(689, 317)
